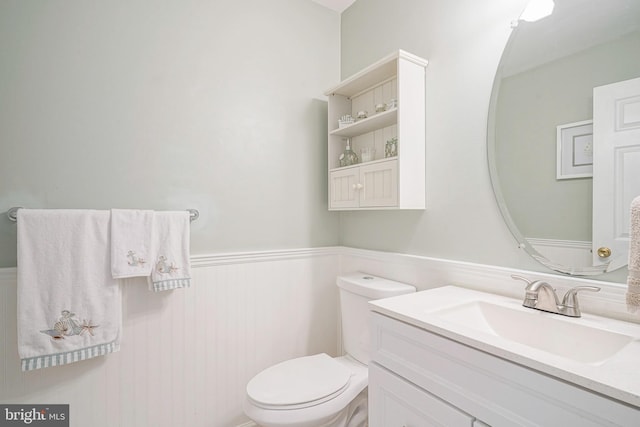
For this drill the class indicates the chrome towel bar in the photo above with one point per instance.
(13, 214)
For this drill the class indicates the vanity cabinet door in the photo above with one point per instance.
(394, 402)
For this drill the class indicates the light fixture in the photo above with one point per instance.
(537, 9)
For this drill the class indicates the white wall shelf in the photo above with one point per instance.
(397, 182)
(370, 124)
(364, 163)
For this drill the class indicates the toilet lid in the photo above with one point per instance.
(299, 382)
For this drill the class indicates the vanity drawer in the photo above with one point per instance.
(496, 391)
(394, 401)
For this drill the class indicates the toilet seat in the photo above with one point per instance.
(299, 383)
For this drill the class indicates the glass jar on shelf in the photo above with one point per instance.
(367, 154)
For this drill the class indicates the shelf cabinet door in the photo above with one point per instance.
(379, 184)
(343, 188)
(396, 402)
(372, 185)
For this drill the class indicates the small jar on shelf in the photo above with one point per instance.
(368, 154)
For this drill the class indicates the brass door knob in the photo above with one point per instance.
(604, 252)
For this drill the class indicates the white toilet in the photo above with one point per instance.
(317, 391)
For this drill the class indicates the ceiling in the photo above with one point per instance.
(337, 5)
(575, 25)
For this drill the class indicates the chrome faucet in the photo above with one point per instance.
(540, 295)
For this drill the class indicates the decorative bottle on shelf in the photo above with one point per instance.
(391, 148)
(348, 157)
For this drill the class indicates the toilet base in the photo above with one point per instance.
(356, 414)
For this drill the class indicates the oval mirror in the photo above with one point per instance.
(540, 126)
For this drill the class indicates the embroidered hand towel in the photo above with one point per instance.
(633, 279)
(69, 306)
(131, 232)
(171, 242)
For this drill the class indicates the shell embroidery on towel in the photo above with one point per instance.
(163, 266)
(67, 326)
(134, 260)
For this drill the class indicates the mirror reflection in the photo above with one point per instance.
(541, 144)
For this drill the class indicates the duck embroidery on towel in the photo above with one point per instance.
(67, 326)
(134, 260)
(164, 267)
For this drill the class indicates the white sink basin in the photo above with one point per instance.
(561, 336)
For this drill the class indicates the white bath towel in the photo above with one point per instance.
(69, 306)
(131, 250)
(171, 240)
(633, 279)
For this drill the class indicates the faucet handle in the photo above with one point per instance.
(533, 286)
(570, 300)
(524, 279)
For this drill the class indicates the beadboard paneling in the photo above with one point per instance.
(187, 355)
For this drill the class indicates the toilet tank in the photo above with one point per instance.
(356, 290)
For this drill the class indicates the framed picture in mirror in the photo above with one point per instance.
(575, 150)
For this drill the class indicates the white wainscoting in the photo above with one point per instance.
(187, 355)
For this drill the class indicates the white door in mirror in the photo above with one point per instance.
(616, 171)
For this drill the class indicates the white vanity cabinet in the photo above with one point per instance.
(393, 401)
(397, 82)
(420, 378)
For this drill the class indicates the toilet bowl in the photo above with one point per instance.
(318, 390)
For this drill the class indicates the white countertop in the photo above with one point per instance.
(617, 376)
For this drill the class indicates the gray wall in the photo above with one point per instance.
(165, 104)
(219, 106)
(463, 41)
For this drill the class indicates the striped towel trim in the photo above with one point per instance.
(58, 359)
(166, 285)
